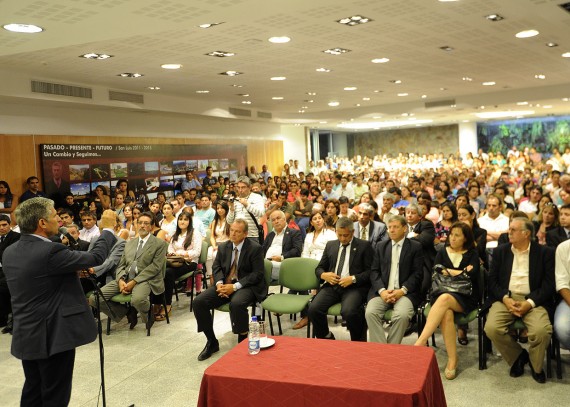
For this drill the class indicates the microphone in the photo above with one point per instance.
(72, 242)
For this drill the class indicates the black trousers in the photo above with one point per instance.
(48, 381)
(172, 273)
(352, 310)
(5, 305)
(239, 303)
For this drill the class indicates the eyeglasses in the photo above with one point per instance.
(144, 223)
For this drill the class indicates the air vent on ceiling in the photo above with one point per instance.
(126, 97)
(565, 6)
(439, 103)
(264, 115)
(240, 112)
(59, 89)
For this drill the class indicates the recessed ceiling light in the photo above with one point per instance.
(365, 99)
(376, 125)
(93, 55)
(357, 105)
(403, 94)
(499, 115)
(527, 34)
(277, 98)
(336, 51)
(566, 55)
(380, 60)
(231, 73)
(220, 54)
(522, 103)
(322, 70)
(354, 20)
(551, 44)
(243, 95)
(405, 114)
(442, 89)
(547, 107)
(236, 86)
(334, 104)
(279, 40)
(312, 93)
(23, 28)
(308, 100)
(322, 122)
(153, 87)
(424, 96)
(301, 111)
(465, 121)
(202, 91)
(171, 66)
(540, 76)
(304, 107)
(130, 75)
(208, 25)
(467, 79)
(278, 78)
(350, 88)
(246, 102)
(446, 48)
(494, 17)
(490, 83)
(396, 81)
(565, 99)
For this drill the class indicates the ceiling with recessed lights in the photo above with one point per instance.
(367, 61)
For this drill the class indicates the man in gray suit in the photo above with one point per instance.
(51, 316)
(368, 229)
(140, 271)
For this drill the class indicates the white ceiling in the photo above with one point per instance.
(143, 34)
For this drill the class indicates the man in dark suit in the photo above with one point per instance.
(7, 237)
(345, 269)
(560, 233)
(239, 275)
(51, 316)
(521, 285)
(422, 231)
(140, 271)
(368, 229)
(396, 278)
(281, 243)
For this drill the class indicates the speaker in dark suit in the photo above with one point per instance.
(396, 283)
(239, 279)
(345, 270)
(51, 316)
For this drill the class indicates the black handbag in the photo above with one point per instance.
(260, 231)
(441, 284)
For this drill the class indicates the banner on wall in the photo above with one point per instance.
(151, 168)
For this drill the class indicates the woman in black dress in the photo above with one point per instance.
(460, 255)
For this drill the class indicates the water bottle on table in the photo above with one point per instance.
(253, 336)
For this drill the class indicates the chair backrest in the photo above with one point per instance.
(299, 274)
(268, 268)
(204, 252)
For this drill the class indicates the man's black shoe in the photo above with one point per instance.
(132, 317)
(538, 377)
(150, 321)
(517, 369)
(7, 330)
(210, 348)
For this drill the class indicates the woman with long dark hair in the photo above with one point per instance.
(220, 232)
(186, 243)
(8, 201)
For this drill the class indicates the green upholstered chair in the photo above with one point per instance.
(297, 274)
(126, 299)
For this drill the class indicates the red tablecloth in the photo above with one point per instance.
(312, 372)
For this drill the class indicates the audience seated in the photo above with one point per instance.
(368, 229)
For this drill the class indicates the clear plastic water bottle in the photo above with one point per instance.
(253, 336)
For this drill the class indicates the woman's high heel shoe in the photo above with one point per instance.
(450, 374)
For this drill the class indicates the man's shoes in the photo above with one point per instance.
(132, 317)
(538, 377)
(302, 323)
(330, 336)
(210, 348)
(517, 369)
(7, 329)
(150, 321)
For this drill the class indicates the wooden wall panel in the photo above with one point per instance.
(21, 153)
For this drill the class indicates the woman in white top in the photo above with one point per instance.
(317, 238)
(220, 232)
(130, 222)
(185, 242)
(168, 223)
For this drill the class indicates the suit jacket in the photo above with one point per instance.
(112, 261)
(360, 260)
(556, 236)
(377, 232)
(292, 243)
(250, 266)
(51, 314)
(11, 238)
(426, 235)
(57, 194)
(410, 270)
(541, 274)
(151, 264)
